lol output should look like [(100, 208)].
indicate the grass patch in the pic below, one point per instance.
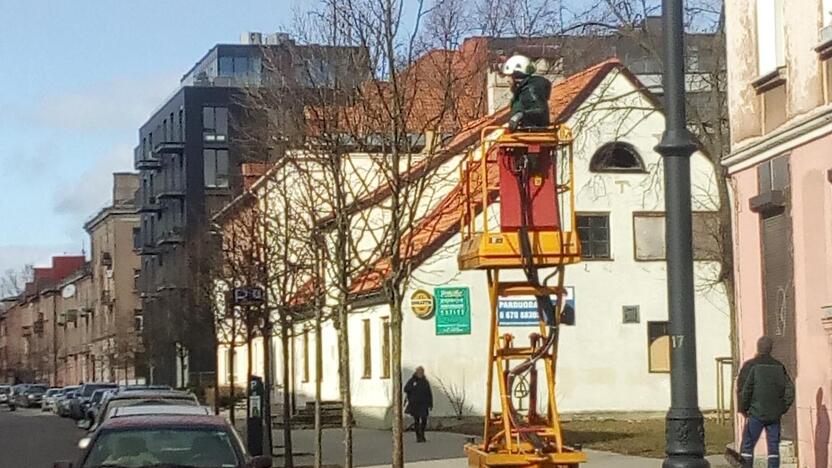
[(644, 438)]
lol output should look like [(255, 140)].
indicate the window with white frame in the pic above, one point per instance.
[(827, 12), (770, 53)]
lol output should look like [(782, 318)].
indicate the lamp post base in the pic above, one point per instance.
[(685, 462), (685, 431)]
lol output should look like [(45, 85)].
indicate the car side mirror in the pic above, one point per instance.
[(261, 461), (62, 464)]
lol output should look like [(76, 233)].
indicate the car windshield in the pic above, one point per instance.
[(97, 395), (5, 390), (53, 392), (36, 389), (69, 395), (113, 404), (169, 446)]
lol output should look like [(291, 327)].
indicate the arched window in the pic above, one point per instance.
[(616, 157)]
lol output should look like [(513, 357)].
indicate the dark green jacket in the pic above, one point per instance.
[(765, 390), (531, 97)]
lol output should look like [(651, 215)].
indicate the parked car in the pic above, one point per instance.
[(48, 402), (94, 404), (78, 407), (29, 396), (64, 403), (143, 398), (134, 388), (5, 390), (16, 390), (165, 440)]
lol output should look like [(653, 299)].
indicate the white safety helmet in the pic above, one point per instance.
[(518, 66)]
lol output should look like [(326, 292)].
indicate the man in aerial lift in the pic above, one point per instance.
[(530, 98)]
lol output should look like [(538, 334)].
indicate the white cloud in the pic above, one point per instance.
[(110, 105), (14, 257), (81, 197)]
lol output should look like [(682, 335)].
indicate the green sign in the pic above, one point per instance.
[(453, 311)]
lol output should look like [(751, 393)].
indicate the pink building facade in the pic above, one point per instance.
[(790, 305), (779, 71)]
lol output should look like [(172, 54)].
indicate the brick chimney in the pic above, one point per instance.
[(252, 172), (125, 185)]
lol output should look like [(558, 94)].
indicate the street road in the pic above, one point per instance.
[(32, 439)]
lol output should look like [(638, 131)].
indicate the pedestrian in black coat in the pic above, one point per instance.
[(765, 393), (419, 401)]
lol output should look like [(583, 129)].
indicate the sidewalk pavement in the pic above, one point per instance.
[(371, 449)]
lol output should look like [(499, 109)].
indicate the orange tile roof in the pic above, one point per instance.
[(443, 221), (443, 90)]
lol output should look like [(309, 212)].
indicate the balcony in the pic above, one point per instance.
[(171, 236), (169, 147), (144, 160), (147, 202), (148, 248), (172, 189)]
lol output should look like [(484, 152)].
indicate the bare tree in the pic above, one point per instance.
[(456, 396), (13, 281)]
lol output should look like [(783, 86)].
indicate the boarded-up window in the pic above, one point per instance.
[(306, 355), (385, 348), (649, 239), (368, 351), (658, 347)]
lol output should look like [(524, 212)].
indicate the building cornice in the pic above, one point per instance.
[(101, 216), (800, 131)]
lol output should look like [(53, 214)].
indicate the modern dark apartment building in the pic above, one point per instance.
[(189, 157)]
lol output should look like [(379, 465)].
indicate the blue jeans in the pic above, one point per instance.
[(753, 430)]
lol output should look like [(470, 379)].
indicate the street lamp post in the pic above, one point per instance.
[(685, 430)]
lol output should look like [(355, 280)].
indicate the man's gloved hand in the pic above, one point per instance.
[(514, 121)]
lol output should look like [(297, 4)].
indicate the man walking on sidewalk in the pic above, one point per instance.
[(419, 401), (765, 394)]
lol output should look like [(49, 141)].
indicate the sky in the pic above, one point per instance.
[(77, 80)]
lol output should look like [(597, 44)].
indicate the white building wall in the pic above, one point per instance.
[(603, 364)]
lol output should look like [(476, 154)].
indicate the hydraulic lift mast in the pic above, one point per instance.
[(531, 172)]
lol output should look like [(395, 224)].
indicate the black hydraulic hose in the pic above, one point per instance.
[(546, 310)]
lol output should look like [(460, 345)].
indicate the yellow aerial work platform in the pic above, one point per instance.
[(513, 438)]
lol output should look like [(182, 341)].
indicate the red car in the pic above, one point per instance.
[(193, 441)]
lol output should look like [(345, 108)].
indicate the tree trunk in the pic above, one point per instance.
[(268, 378), (396, 371), (231, 350), (249, 366), (288, 459), (344, 380), (318, 375)]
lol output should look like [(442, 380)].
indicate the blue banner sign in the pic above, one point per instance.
[(521, 311)]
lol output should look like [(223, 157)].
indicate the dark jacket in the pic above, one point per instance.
[(419, 396), (531, 97), (765, 389)]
